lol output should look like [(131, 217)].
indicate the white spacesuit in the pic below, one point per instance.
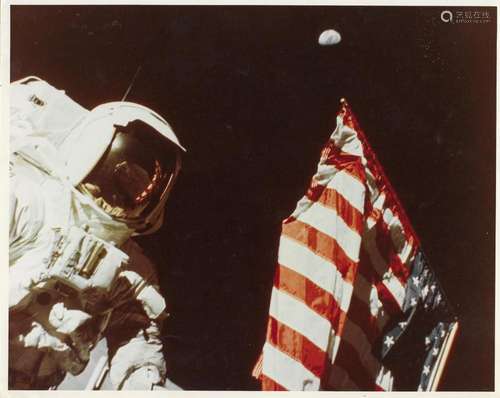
[(81, 184)]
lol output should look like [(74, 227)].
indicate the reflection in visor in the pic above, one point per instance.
[(95, 192), (134, 181), (134, 172)]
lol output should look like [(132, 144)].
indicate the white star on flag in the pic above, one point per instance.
[(425, 290), (402, 325), (426, 370), (438, 298), (413, 302), (416, 281), (442, 333), (427, 341), (433, 287), (435, 351), (389, 341)]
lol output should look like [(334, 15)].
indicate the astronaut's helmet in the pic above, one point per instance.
[(126, 158)]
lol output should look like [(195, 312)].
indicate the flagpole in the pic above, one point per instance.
[(445, 352)]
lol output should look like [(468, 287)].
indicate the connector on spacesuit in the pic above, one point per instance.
[(82, 183)]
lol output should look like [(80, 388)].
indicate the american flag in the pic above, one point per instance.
[(354, 304)]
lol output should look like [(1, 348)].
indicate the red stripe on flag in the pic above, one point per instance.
[(342, 161), (387, 299), (297, 346), (269, 384), (325, 305), (348, 358), (319, 300), (316, 298), (332, 199), (359, 314), (323, 245), (388, 252), (332, 155)]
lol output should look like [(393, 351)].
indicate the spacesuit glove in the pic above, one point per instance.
[(143, 378)]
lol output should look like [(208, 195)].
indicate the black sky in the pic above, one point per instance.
[(252, 96)]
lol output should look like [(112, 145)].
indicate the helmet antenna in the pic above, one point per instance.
[(147, 51), (131, 83)]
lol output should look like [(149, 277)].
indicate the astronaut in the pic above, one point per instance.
[(82, 183)]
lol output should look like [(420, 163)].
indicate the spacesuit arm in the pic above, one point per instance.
[(134, 330), (26, 215), (136, 351)]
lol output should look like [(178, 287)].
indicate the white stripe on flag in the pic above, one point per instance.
[(381, 267), (347, 138), (325, 173), (405, 254), (300, 317), (328, 221), (396, 288), (368, 294), (350, 188), (371, 183), (398, 236), (286, 371), (307, 263)]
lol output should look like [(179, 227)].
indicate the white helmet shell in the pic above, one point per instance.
[(88, 141)]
